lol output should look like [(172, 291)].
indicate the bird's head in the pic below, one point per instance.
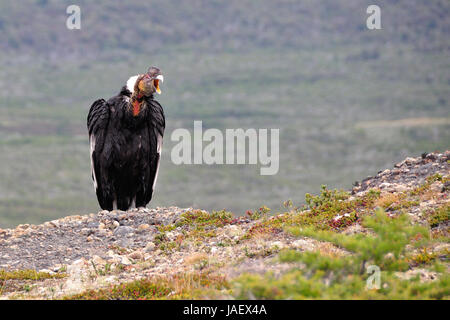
[(148, 83)]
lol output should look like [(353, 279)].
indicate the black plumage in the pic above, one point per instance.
[(125, 135)]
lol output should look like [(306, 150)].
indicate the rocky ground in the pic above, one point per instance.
[(406, 174), (76, 253)]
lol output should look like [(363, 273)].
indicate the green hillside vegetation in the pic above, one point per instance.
[(150, 26), (393, 245), (310, 68), (326, 277)]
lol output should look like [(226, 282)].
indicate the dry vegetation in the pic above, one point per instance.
[(321, 250)]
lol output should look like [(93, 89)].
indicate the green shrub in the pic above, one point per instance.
[(316, 275)]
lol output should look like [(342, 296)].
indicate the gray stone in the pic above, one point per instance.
[(123, 230)]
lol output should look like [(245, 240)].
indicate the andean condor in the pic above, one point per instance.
[(125, 135)]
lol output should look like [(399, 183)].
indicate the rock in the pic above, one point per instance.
[(125, 242), (234, 231), (123, 230), (277, 244), (78, 274), (110, 279), (442, 247), (446, 186), (437, 186), (93, 225), (47, 271), (111, 254), (385, 185), (425, 275), (115, 261), (136, 255), (143, 227), (427, 204), (58, 267), (77, 265), (409, 160), (389, 256), (171, 235), (98, 260), (147, 256), (400, 188), (85, 231), (149, 247), (125, 261), (55, 223), (303, 244), (354, 229)]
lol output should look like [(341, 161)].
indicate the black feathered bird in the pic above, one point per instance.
[(125, 135)]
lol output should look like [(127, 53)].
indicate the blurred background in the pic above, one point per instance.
[(348, 101)]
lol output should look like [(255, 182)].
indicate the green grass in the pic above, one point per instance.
[(180, 286), (320, 276), (28, 274), (137, 290), (439, 215), (330, 210), (200, 219), (25, 279), (195, 225)]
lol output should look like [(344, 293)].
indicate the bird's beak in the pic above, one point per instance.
[(157, 80)]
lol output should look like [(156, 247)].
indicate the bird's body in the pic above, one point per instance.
[(125, 135)]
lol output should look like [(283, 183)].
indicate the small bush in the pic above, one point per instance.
[(344, 277)]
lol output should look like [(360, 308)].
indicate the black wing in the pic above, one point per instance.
[(156, 127), (97, 124)]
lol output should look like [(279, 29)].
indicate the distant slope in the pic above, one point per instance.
[(146, 26)]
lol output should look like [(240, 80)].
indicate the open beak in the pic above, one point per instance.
[(156, 82)]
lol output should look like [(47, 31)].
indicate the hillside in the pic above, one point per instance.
[(397, 220), (348, 101), (38, 26)]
